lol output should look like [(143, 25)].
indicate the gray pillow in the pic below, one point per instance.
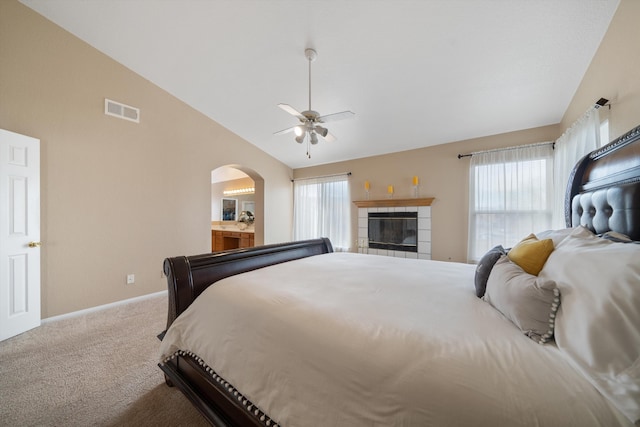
[(616, 237), (484, 268), (529, 301)]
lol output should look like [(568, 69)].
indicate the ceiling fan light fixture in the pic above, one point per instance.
[(321, 131), (309, 118)]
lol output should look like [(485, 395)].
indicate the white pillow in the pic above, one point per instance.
[(560, 234), (598, 323)]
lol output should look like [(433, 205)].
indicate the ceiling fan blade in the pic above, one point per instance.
[(336, 116), (329, 137), (289, 109), (283, 131)]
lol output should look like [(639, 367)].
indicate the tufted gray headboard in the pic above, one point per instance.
[(603, 192)]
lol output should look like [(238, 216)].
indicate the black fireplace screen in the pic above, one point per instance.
[(397, 231)]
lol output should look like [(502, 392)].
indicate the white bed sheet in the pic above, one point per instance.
[(347, 339)]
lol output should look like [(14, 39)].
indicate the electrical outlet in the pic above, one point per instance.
[(131, 279)]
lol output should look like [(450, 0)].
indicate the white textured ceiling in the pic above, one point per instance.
[(415, 72)]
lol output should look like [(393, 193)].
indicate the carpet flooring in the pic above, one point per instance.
[(96, 369)]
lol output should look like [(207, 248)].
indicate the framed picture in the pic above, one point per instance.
[(229, 209)]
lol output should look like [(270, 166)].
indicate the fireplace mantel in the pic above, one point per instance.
[(386, 203)]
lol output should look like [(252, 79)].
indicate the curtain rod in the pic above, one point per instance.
[(506, 149), (584, 116), (599, 103), (322, 176)]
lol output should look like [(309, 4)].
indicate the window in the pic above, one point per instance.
[(322, 208), (510, 195), (579, 140)]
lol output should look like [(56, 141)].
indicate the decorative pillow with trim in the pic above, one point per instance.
[(530, 302), (531, 254), (484, 268)]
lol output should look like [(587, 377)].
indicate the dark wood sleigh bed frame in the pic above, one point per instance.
[(603, 194), (188, 277)]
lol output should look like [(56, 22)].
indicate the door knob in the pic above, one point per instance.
[(35, 244)]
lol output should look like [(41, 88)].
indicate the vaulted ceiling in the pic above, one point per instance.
[(416, 73)]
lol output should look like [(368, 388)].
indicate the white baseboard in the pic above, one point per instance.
[(102, 307)]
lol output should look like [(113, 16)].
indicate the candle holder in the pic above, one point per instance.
[(366, 194), (415, 191)]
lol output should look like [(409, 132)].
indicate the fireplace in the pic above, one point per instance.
[(401, 217), (396, 231)]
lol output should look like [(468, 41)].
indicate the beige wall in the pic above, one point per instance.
[(442, 176), (117, 197), (613, 74)]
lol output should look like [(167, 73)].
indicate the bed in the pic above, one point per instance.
[(295, 334)]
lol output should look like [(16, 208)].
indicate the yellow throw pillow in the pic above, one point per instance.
[(531, 254)]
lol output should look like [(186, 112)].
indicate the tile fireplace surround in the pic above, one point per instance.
[(422, 206)]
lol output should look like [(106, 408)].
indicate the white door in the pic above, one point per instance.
[(19, 233)]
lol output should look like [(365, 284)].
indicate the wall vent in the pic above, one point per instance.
[(120, 110)]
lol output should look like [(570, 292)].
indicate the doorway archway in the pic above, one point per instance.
[(235, 176)]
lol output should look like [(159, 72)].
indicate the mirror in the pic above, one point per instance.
[(229, 209), (249, 205)]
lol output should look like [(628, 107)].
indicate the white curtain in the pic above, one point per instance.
[(510, 196), (580, 139), (322, 208)]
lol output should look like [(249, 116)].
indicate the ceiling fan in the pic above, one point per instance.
[(309, 127)]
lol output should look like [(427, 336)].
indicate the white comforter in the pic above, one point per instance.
[(347, 339)]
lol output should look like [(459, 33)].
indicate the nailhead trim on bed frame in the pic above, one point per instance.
[(228, 388)]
